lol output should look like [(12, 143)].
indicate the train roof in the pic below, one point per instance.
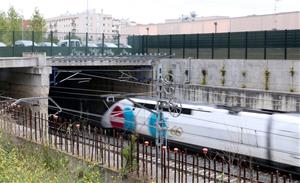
[(218, 108), (184, 105)]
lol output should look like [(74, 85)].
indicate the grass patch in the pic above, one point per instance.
[(25, 162)]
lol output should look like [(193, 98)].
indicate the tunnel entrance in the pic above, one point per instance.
[(84, 92)]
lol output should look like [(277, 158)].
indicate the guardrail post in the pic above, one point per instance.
[(170, 45), (143, 160), (35, 126), (183, 49), (13, 42), (228, 46), (193, 170), (285, 44), (265, 45), (257, 173), (32, 38), (228, 169), (212, 45), (108, 150), (272, 177), (197, 169), (102, 48), (215, 170), (178, 166), (168, 164), (118, 147), (138, 157), (182, 163), (69, 48), (175, 157), (118, 43), (185, 158), (158, 40), (86, 42), (204, 169), (244, 171), (143, 44), (147, 46), (246, 45), (51, 40), (197, 46)]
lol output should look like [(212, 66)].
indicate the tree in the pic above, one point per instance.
[(14, 23), (38, 24), (3, 21), (37, 21), (14, 20), (3, 26)]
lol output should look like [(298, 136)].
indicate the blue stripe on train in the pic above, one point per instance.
[(129, 120), (152, 125)]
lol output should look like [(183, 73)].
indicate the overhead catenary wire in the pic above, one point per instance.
[(176, 84), (201, 92), (113, 79), (83, 89), (105, 95), (106, 70), (147, 84)]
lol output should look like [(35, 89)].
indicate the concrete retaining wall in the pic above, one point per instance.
[(237, 82)]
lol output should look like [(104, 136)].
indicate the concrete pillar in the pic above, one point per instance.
[(28, 82)]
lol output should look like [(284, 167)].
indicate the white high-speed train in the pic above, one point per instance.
[(259, 134)]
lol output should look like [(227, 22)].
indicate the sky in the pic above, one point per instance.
[(152, 11)]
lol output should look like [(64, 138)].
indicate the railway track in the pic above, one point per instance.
[(151, 165), (179, 166)]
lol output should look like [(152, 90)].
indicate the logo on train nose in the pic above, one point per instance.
[(122, 118)]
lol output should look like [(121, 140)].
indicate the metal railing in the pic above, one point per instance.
[(13, 44), (279, 44), (132, 155), (232, 45)]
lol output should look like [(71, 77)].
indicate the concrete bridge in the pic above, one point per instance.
[(28, 76), (269, 84), (40, 60)]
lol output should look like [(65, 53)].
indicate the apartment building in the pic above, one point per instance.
[(78, 24), (218, 24)]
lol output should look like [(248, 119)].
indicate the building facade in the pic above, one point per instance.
[(278, 21), (78, 24)]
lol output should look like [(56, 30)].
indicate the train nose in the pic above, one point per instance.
[(105, 121)]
